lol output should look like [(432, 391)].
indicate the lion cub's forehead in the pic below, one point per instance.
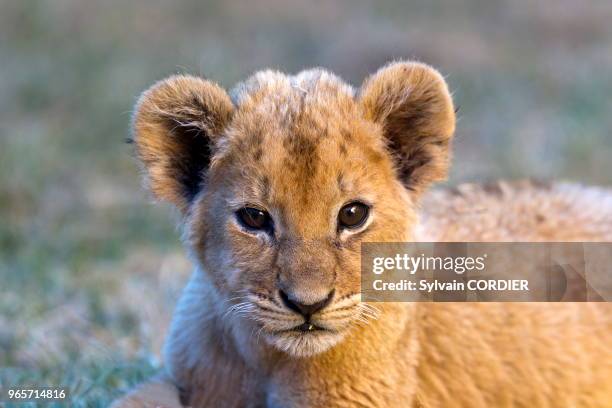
[(299, 122)]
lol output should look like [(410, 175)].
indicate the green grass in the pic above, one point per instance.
[(95, 384)]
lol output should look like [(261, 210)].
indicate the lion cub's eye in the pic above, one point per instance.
[(254, 218), (353, 215)]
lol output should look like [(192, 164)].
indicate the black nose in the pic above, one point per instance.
[(304, 309)]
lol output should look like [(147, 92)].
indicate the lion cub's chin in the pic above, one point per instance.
[(304, 344)]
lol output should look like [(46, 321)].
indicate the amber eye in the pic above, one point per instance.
[(254, 218), (353, 215)]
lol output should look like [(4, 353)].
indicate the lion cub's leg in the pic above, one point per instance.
[(157, 393)]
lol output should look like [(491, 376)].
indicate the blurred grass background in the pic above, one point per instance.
[(90, 268)]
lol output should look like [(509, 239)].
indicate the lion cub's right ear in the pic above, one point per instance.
[(175, 126), (412, 103)]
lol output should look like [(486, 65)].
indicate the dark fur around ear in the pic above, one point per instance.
[(175, 125), (412, 104)]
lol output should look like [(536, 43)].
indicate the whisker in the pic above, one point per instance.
[(238, 309), (339, 315), (338, 309), (369, 311), (259, 334), (370, 306)]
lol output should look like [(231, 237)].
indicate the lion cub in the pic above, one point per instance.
[(278, 184)]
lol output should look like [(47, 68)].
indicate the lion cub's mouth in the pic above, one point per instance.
[(308, 327), (302, 336), (305, 327)]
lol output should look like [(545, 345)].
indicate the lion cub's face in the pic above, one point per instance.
[(280, 184)]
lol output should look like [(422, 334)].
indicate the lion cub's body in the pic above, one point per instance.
[(437, 355), (516, 354), (299, 148)]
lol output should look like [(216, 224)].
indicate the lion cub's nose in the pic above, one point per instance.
[(306, 310)]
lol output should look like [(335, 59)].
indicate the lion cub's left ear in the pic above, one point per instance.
[(413, 105)]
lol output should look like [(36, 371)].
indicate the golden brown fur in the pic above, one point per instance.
[(301, 147)]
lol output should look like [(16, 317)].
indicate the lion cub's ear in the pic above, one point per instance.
[(176, 123), (412, 104)]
